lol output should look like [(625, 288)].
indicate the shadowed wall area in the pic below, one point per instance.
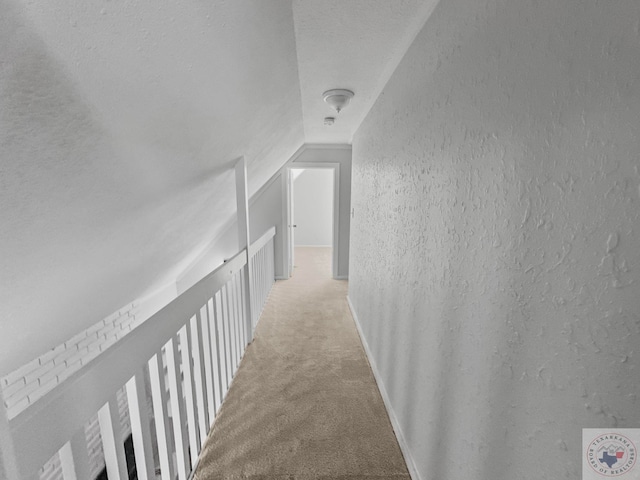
[(304, 403)]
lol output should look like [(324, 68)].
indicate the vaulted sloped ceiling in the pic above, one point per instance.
[(119, 122)]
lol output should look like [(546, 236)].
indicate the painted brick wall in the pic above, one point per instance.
[(495, 247), (33, 380), (52, 470)]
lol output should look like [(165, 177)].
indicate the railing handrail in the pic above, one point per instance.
[(261, 242), (102, 376)]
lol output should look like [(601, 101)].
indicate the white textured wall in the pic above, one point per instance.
[(495, 249), (313, 207), (265, 211)]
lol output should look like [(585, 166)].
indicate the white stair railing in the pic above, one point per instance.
[(262, 266), (198, 339)]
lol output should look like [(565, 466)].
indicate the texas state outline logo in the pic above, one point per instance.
[(610, 453)]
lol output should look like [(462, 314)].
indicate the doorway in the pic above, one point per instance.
[(313, 211)]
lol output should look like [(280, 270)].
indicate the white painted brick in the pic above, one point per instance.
[(37, 373), (127, 308), (76, 357), (36, 378), (122, 319), (94, 329), (94, 447), (51, 354), (66, 373), (21, 372), (64, 356), (16, 386), (115, 315), (105, 330), (107, 342), (137, 321), (52, 470), (52, 373), (112, 333), (88, 341), (75, 339), (14, 408), (43, 390), (22, 393), (93, 353), (121, 333)]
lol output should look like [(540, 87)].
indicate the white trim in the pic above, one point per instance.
[(254, 198), (261, 242), (326, 146), (284, 191), (296, 155), (313, 246), (404, 447), (336, 205), (342, 277), (317, 146), (244, 241), (42, 428)]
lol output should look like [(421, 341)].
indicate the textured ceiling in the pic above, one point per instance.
[(119, 122), (352, 44)]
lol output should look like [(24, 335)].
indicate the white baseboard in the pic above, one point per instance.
[(406, 453), (281, 278), (342, 277)]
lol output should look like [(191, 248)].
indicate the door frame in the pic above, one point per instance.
[(336, 210)]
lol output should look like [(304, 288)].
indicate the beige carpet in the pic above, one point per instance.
[(304, 403)]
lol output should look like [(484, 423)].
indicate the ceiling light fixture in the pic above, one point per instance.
[(337, 98)]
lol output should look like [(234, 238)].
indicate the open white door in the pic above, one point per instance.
[(290, 219)]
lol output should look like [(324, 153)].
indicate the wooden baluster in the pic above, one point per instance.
[(244, 235), (232, 328), (222, 351), (199, 379), (254, 297), (112, 440), (207, 344), (218, 369), (243, 315), (74, 458), (261, 280), (177, 408), (227, 337), (256, 288), (161, 416), (140, 427), (244, 301), (237, 318), (188, 385), (272, 263)]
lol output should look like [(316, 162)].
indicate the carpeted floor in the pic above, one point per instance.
[(304, 404)]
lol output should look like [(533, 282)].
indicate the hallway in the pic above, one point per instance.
[(304, 403)]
